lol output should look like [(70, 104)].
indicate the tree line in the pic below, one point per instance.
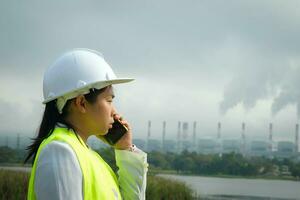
[(214, 164)]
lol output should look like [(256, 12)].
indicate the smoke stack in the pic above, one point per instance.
[(271, 132), (149, 128), (194, 133), (297, 138), (148, 135), (243, 131), (178, 131), (270, 136), (219, 130), (243, 139), (184, 133)]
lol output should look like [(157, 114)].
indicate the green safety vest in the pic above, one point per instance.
[(99, 180)]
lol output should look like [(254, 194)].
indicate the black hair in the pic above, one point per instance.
[(51, 116)]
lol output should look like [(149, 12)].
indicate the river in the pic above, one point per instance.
[(240, 188)]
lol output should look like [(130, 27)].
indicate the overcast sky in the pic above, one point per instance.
[(204, 61)]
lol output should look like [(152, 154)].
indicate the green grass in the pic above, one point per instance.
[(159, 188), (14, 185)]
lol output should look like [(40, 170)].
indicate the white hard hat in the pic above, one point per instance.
[(75, 73)]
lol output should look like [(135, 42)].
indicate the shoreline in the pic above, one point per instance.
[(173, 172)]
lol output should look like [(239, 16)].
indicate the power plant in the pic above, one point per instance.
[(190, 141)]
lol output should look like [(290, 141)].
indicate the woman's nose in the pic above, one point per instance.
[(113, 111)]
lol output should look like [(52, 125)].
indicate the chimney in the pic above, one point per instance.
[(184, 133), (194, 133), (148, 135), (243, 131), (270, 137), (243, 139), (219, 130), (178, 131), (271, 132), (149, 128)]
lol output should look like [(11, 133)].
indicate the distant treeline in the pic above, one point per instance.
[(227, 164), (188, 162), (9, 155)]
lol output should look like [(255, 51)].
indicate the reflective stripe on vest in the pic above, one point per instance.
[(99, 181)]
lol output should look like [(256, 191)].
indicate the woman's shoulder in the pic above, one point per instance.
[(58, 165), (57, 152), (56, 146)]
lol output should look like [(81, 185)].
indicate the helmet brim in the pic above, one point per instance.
[(97, 85)]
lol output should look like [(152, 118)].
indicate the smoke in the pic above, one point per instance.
[(289, 92), (268, 58), (277, 79)]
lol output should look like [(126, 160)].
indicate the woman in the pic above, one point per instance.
[(78, 94)]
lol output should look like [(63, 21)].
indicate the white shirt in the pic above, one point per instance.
[(58, 174)]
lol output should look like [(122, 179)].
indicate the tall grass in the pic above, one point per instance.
[(14, 185), (159, 188)]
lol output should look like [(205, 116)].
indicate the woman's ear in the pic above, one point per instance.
[(81, 103)]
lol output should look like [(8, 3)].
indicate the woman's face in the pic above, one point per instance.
[(101, 112)]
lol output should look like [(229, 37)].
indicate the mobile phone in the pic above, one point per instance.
[(116, 132)]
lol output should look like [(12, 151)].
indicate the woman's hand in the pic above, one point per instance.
[(125, 141)]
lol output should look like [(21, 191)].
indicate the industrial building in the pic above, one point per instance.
[(207, 146), (285, 149), (231, 145), (259, 148)]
